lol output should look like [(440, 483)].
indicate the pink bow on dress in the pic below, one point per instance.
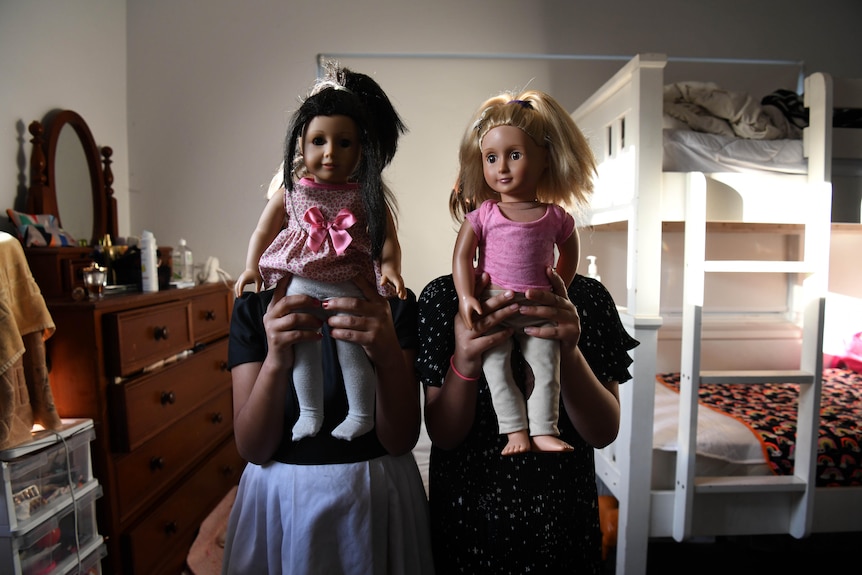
[(337, 229)]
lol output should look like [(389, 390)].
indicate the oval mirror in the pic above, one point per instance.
[(72, 186), (67, 178)]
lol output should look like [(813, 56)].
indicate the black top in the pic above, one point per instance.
[(531, 512), (248, 343)]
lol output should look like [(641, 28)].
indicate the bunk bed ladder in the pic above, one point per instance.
[(690, 488)]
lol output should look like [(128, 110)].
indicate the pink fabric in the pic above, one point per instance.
[(337, 229), (292, 253), (515, 254)]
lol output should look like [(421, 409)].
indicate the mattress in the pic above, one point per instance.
[(690, 151), (769, 412)]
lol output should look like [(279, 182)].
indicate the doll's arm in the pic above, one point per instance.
[(268, 226), (463, 273), (570, 254), (390, 259)]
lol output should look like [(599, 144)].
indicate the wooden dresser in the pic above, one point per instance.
[(164, 450)]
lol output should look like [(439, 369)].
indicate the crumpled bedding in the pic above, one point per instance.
[(705, 107)]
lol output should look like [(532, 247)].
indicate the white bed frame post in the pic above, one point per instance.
[(625, 467), (643, 291)]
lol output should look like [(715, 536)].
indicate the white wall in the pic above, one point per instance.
[(194, 95), (70, 55)]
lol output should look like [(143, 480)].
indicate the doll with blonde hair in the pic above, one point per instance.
[(329, 221), (523, 164)]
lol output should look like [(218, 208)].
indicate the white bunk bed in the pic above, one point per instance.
[(624, 122)]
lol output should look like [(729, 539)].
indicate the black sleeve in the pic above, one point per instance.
[(438, 305), (604, 341), (247, 343)]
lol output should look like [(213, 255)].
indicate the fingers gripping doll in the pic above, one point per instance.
[(523, 161), (331, 221)]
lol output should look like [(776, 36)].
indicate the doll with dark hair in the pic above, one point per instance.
[(331, 221), (523, 161), (339, 491)]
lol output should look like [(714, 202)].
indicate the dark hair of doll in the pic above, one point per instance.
[(361, 99)]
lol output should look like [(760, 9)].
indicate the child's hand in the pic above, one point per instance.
[(287, 322), (484, 333), (365, 321), (246, 277), (564, 323)]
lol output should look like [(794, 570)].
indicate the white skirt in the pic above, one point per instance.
[(363, 518)]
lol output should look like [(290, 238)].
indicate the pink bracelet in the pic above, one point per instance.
[(458, 373)]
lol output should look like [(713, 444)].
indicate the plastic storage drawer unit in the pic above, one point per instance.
[(58, 543), (39, 476)]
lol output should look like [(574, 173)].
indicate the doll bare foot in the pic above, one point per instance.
[(352, 427), (519, 442), (306, 426), (550, 443)]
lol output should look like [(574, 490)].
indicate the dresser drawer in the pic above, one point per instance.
[(171, 526), (149, 468), (144, 406), (211, 314), (137, 338)]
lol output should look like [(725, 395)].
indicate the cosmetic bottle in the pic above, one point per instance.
[(149, 263), (182, 263)]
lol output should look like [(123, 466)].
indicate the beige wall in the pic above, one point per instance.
[(194, 95)]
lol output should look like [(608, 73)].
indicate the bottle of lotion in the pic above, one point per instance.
[(149, 263)]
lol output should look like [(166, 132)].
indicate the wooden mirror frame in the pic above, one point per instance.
[(42, 195)]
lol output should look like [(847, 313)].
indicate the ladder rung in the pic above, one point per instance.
[(749, 484), (757, 266), (760, 376)]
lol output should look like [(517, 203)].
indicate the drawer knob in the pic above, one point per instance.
[(217, 417), (227, 470), (210, 315), (160, 332), (157, 463), (223, 366), (170, 528), (168, 398)]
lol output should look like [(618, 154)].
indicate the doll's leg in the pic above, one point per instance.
[(360, 382), (307, 374), (308, 383), (506, 397), (543, 404)]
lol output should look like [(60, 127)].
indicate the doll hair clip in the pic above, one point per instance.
[(523, 103)]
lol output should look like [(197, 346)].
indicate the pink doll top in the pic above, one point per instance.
[(516, 254), (326, 237)]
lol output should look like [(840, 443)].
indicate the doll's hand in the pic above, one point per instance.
[(394, 279), (467, 307), (247, 277), (564, 323), (286, 324)]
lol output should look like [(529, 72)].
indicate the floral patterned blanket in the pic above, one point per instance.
[(770, 411)]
